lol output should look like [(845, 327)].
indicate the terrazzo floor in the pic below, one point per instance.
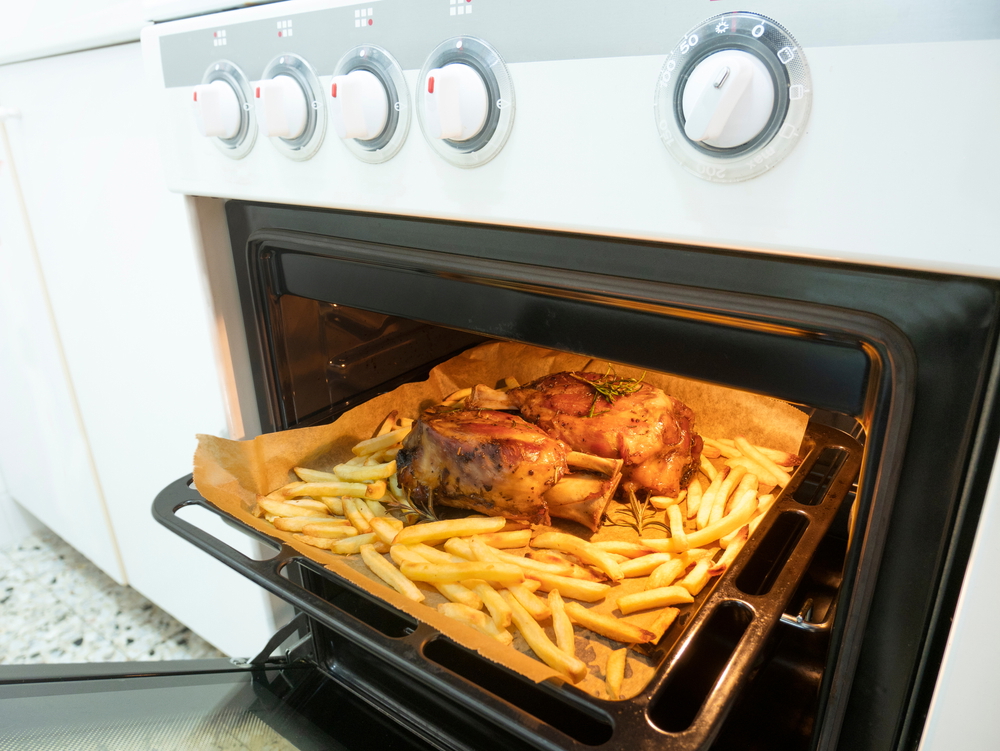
[(57, 607)]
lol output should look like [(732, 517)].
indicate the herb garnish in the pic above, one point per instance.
[(610, 386), (410, 509), (641, 514)]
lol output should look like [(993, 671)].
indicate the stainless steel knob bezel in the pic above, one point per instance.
[(239, 145), (308, 143)]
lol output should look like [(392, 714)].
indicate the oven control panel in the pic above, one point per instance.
[(777, 127)]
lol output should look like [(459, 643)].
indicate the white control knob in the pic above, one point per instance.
[(359, 105), (281, 107), (728, 99), (456, 104), (217, 110)]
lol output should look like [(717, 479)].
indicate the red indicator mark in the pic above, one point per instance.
[(430, 85), (333, 91), (196, 96), (258, 92), (370, 22), (215, 34)]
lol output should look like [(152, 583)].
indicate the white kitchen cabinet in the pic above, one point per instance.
[(125, 279), (44, 457)]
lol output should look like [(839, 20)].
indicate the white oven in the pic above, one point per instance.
[(774, 144)]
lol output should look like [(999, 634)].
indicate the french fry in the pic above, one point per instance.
[(515, 538), (622, 547), (663, 622), (665, 574), (562, 626), (432, 532), (353, 512), (696, 578), (298, 523), (385, 531), (496, 605), (330, 487), (570, 666), (328, 530), (582, 550), (754, 453), (504, 573), (764, 505), (765, 477), (460, 548), (327, 543), (781, 458), (662, 502), (454, 591), (677, 525), (309, 504), (376, 508), (654, 598), (606, 625), (693, 498), (390, 574), (708, 468), (387, 424), (736, 544), (740, 515), (723, 448), (578, 589), (576, 570), (710, 452), (286, 509), (314, 475), (725, 490), (476, 619), (380, 443), (536, 607), (352, 545), (708, 499), (334, 504), (376, 490), (365, 473), (614, 673), (645, 565)]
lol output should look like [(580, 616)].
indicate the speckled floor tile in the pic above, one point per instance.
[(55, 606)]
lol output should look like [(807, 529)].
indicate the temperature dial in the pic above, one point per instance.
[(282, 110), (456, 103), (733, 97), (217, 110), (359, 107), (465, 101), (290, 108), (222, 109)]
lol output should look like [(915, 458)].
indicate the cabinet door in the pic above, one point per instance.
[(129, 296), (44, 457)]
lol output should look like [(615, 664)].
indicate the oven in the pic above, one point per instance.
[(725, 195)]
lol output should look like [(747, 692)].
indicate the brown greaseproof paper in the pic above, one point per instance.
[(231, 474)]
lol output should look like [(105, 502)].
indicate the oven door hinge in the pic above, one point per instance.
[(299, 649)]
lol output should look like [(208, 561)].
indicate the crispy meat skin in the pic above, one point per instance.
[(491, 462), (649, 430)]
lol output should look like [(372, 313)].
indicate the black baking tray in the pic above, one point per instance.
[(461, 700)]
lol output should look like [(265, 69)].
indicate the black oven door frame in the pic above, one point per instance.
[(928, 342)]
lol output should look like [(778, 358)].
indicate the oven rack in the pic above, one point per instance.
[(705, 659)]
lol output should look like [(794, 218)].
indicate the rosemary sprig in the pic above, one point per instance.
[(637, 515), (610, 386), (410, 508)]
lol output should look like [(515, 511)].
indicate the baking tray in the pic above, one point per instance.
[(704, 660)]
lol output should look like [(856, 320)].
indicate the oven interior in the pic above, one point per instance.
[(340, 307)]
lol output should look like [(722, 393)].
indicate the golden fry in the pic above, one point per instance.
[(621, 547), (536, 607), (754, 453), (582, 550), (380, 443), (577, 589), (297, 523), (503, 573), (614, 673), (328, 530), (515, 538), (357, 518), (665, 574), (286, 509), (677, 525), (696, 578), (385, 531), (317, 542), (433, 532), (572, 667), (454, 591), (351, 545), (476, 619), (654, 598), (708, 499), (561, 624), (646, 564), (606, 625), (663, 622), (694, 498), (390, 574), (365, 473), (314, 475), (355, 489)]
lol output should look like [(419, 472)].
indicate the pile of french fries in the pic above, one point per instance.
[(491, 572)]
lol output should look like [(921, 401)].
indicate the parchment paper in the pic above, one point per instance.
[(230, 474)]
